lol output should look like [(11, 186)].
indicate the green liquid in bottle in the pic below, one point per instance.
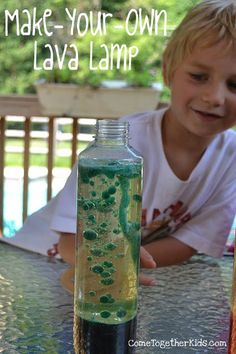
[(108, 241)]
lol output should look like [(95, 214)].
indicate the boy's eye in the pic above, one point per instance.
[(198, 76), (232, 85)]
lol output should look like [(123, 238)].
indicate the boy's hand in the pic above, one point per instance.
[(146, 261)]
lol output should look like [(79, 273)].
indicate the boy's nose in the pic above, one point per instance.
[(214, 95)]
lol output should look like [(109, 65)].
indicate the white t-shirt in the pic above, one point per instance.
[(198, 211)]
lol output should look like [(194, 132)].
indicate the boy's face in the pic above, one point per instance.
[(204, 91)]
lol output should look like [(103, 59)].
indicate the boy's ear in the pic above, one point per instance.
[(164, 73)]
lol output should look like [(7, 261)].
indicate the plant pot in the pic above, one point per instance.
[(77, 101)]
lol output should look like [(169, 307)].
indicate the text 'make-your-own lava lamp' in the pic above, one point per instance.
[(107, 242)]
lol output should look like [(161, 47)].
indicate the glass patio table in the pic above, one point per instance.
[(186, 312)]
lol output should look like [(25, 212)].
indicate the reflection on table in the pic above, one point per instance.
[(186, 312)]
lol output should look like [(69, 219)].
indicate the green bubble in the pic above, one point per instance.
[(116, 231), (111, 200), (105, 195), (120, 255), (103, 206), (121, 313), (103, 225), (112, 190), (101, 230), (110, 246), (137, 197), (98, 252), (107, 281), (107, 299), (107, 264), (90, 235), (117, 184), (92, 293), (92, 218), (105, 314), (87, 205), (97, 268), (105, 274), (91, 183), (84, 178), (89, 258), (104, 299), (93, 194)]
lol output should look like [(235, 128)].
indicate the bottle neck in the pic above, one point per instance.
[(112, 132)]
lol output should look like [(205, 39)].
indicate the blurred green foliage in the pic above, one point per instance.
[(16, 52)]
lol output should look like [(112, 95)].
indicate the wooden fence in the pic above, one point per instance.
[(28, 107)]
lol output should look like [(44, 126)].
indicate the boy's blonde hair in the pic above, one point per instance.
[(206, 24)]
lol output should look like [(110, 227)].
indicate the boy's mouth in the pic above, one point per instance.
[(207, 116)]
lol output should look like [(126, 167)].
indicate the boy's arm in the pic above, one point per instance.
[(169, 251), (161, 253), (66, 247)]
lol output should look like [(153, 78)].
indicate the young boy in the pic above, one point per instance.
[(189, 194)]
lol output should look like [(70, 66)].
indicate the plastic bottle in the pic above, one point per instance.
[(107, 242), (232, 329)]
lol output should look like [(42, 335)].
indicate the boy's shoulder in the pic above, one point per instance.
[(228, 138), (231, 133), (224, 150)]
